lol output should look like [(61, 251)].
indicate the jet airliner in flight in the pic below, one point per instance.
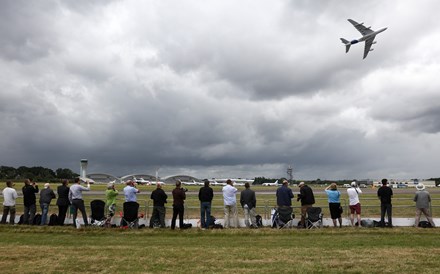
[(368, 36)]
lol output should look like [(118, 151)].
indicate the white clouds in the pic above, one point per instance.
[(238, 89)]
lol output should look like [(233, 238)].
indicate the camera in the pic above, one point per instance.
[(184, 189)]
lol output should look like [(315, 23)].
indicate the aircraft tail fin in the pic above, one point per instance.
[(347, 44)]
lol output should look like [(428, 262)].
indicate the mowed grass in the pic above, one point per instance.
[(27, 249)]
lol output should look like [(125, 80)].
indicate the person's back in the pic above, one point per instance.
[(130, 192), (306, 195), (159, 197), (63, 195), (247, 197), (206, 194), (229, 193), (422, 199), (9, 196), (353, 195), (385, 193), (29, 197), (284, 195), (46, 196)]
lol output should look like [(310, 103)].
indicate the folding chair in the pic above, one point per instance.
[(314, 217), (129, 218), (282, 217), (98, 218)]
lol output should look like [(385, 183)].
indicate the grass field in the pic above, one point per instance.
[(28, 249)]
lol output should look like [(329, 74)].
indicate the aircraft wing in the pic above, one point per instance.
[(368, 44), (360, 27)]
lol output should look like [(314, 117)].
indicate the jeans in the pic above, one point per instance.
[(205, 214), (231, 211), (79, 204), (44, 211), (177, 210), (29, 214), (386, 208), (8, 210), (158, 214), (250, 213)]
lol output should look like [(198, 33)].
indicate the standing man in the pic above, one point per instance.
[(355, 206), (46, 196), (179, 197), (230, 202), (206, 194), (29, 189), (422, 199), (284, 195), (385, 194), (130, 191), (9, 197), (77, 202), (63, 201), (307, 200), (249, 202), (159, 198)]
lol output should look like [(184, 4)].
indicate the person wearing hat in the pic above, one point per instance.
[(130, 191), (354, 204), (206, 194), (110, 202), (46, 196), (307, 200), (334, 203), (385, 194), (422, 199)]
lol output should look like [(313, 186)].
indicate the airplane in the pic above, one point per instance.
[(192, 183), (271, 184), (141, 181), (368, 36)]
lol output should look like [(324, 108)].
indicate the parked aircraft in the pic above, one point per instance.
[(191, 183), (368, 36), (271, 184), (141, 181)]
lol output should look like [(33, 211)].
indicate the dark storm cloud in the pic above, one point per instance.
[(225, 89)]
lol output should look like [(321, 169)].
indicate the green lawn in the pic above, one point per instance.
[(28, 249)]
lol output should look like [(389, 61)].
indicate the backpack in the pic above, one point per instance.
[(37, 219), (211, 221), (53, 220), (259, 220), (186, 226), (367, 223), (425, 224)]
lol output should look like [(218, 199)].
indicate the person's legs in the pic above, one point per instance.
[(340, 221), (62, 210), (44, 211), (303, 215), (383, 208), (74, 212), (208, 214), (26, 215), (227, 214), (12, 215), (32, 211), (181, 212), (417, 219), (82, 208), (154, 216), (161, 213), (246, 216), (5, 214), (428, 216), (173, 220), (234, 214), (390, 214)]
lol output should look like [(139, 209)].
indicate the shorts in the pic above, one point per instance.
[(355, 208), (335, 213)]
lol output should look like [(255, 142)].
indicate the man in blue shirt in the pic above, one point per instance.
[(130, 192)]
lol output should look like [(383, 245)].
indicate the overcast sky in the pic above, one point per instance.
[(221, 88)]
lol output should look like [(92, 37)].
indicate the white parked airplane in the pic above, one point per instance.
[(141, 181), (368, 36), (271, 184), (192, 183)]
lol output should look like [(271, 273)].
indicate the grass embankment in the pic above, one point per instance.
[(67, 250)]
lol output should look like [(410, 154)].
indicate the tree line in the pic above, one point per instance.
[(37, 173)]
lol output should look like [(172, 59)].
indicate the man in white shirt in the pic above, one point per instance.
[(77, 202), (230, 202), (130, 192), (9, 197), (355, 206)]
